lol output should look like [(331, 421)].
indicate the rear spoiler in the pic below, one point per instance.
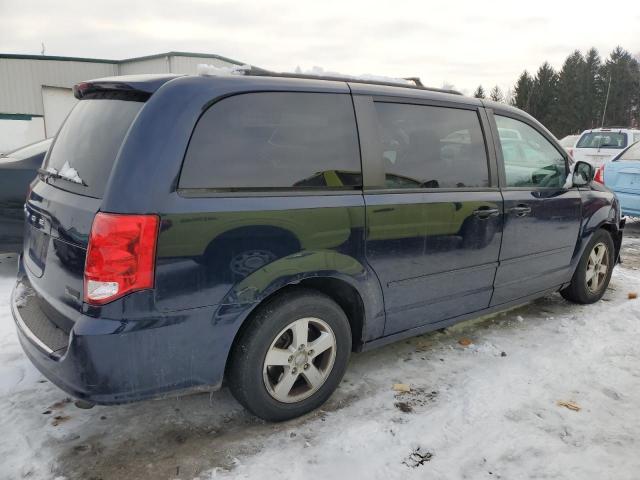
[(133, 87)]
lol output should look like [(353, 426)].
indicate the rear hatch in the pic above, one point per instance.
[(64, 200), (598, 147), (623, 174)]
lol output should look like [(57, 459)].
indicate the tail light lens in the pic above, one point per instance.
[(120, 257), (599, 175), (570, 151)]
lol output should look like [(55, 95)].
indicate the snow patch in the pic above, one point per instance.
[(67, 172), (216, 71), (22, 295), (321, 72)]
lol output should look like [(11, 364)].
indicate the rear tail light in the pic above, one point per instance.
[(599, 175), (120, 256), (570, 151)]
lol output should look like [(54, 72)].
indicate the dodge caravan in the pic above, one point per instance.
[(255, 230)]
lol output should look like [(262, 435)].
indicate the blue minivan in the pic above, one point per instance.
[(186, 231)]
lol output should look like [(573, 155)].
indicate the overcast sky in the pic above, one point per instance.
[(464, 43)]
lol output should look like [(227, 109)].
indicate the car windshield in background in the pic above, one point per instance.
[(27, 151), (632, 153), (568, 141), (87, 145), (603, 140)]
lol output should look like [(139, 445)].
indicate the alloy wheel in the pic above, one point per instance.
[(299, 360), (597, 267)]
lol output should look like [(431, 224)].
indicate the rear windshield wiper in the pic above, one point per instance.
[(46, 174)]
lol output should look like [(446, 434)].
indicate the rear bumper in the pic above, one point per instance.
[(629, 203), (111, 362)]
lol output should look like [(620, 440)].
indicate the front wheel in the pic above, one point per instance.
[(291, 356), (594, 270)]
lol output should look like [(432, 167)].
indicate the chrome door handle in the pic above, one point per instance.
[(521, 210), (486, 212)]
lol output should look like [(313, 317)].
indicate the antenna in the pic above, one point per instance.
[(43, 49), (606, 101)]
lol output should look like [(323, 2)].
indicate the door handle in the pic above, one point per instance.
[(521, 210), (486, 212), (383, 210)]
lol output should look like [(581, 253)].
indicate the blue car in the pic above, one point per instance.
[(622, 175)]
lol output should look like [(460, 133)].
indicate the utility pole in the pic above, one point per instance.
[(606, 101)]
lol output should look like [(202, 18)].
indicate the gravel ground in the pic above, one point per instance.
[(486, 410)]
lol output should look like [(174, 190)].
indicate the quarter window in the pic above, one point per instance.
[(530, 160), (274, 141), (431, 147)]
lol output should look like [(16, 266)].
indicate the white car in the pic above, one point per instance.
[(568, 143), (599, 145)]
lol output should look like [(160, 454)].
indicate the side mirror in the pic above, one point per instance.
[(582, 174)]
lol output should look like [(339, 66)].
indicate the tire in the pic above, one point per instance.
[(310, 377), (585, 287)]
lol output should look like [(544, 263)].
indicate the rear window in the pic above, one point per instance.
[(633, 153), (603, 140), (87, 144), (275, 140)]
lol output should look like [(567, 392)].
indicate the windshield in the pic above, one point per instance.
[(86, 147), (632, 153), (603, 140)]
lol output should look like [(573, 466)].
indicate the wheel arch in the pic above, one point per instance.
[(342, 278)]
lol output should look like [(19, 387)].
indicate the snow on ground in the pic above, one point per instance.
[(473, 412)]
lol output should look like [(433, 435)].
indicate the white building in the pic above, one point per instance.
[(36, 90)]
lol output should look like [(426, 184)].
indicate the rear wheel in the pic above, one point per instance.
[(593, 273), (291, 357)]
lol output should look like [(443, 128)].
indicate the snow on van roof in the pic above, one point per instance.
[(217, 71), (367, 77)]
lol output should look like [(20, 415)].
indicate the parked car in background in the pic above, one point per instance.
[(622, 175), (257, 229), (602, 144), (17, 169), (569, 143)]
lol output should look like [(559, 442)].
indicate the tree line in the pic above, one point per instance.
[(573, 99)]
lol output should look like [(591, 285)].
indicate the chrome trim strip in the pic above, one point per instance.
[(23, 327)]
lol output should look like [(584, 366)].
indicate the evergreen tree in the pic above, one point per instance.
[(522, 92), (593, 100), (573, 99), (479, 93), (496, 94), (571, 96), (623, 72), (544, 96)]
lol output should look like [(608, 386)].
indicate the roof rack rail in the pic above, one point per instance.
[(417, 84)]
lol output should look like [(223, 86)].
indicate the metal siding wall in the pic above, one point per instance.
[(153, 65), (187, 65), (21, 80)]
